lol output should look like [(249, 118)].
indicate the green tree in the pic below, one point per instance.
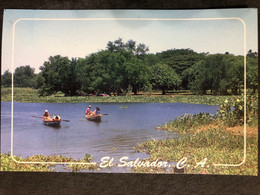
[(218, 73), (252, 73), (136, 75), (180, 60), (115, 72), (151, 59), (24, 77), (6, 79), (39, 80), (130, 45), (235, 74), (85, 74), (252, 54), (163, 77), (115, 46), (139, 50), (198, 78), (59, 74), (104, 69)]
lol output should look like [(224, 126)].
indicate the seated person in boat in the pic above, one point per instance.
[(97, 112), (56, 118), (46, 116), (88, 111)]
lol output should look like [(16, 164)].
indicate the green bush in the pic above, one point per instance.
[(236, 117)]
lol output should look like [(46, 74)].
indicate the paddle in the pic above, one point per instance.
[(37, 116)]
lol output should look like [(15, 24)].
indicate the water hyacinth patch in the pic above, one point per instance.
[(31, 95), (188, 122)]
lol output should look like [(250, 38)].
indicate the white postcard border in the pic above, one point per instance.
[(125, 19)]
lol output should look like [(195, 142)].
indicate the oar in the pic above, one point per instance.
[(37, 116), (65, 120)]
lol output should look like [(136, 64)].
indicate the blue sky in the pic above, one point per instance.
[(35, 40)]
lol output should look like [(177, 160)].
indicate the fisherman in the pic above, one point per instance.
[(46, 116)]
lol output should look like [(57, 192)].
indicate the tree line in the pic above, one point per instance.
[(125, 67)]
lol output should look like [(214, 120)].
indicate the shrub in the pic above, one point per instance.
[(235, 116)]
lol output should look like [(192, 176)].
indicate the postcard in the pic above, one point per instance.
[(130, 91)]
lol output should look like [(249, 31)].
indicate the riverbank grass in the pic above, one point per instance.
[(216, 145), (8, 164), (31, 95), (206, 140)]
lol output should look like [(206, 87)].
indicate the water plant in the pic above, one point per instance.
[(31, 95), (188, 122), (8, 164), (87, 157), (215, 145), (214, 138)]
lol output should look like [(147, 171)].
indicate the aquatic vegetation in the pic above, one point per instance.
[(31, 95), (8, 164), (188, 122), (215, 144), (88, 157), (210, 139), (202, 99), (230, 113)]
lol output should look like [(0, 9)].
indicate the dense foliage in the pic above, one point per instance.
[(123, 68), (24, 76), (6, 79)]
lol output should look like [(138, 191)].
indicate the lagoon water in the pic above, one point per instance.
[(115, 136)]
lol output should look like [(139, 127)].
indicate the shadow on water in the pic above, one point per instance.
[(53, 127), (97, 123)]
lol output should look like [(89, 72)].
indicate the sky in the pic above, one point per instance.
[(38, 34)]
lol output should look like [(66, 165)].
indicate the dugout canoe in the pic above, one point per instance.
[(94, 118), (55, 122)]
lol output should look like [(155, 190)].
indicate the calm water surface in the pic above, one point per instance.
[(114, 136)]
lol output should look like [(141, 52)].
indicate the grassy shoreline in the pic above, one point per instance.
[(215, 145), (202, 138), (8, 164), (207, 140), (30, 95)]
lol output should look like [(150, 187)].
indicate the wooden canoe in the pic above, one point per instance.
[(53, 122), (94, 118)]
